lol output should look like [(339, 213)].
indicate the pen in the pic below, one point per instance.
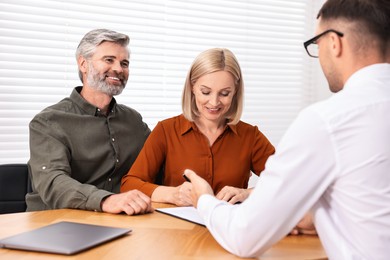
[(185, 177)]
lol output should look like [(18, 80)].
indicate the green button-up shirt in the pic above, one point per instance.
[(78, 155)]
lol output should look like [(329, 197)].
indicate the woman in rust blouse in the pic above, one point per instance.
[(208, 138)]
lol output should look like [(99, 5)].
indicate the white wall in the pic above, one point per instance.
[(38, 40), (316, 83)]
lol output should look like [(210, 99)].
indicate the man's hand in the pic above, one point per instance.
[(132, 202), (199, 186), (233, 195)]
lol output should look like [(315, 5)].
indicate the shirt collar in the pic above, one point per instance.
[(186, 126), (90, 109), (377, 71), (233, 128)]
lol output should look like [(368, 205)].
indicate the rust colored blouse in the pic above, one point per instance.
[(176, 144)]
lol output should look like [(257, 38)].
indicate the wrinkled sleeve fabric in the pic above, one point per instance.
[(293, 180), (51, 172), (262, 149)]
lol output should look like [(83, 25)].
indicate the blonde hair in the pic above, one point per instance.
[(209, 61)]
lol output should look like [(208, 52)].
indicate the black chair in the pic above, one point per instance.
[(14, 185)]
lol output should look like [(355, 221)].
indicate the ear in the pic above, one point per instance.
[(82, 63), (336, 45)]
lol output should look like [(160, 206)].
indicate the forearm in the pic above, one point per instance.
[(238, 229), (164, 194), (52, 177), (131, 182), (180, 195), (58, 190)]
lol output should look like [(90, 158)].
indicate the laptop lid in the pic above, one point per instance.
[(63, 238)]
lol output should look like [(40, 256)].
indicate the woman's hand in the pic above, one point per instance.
[(182, 195), (233, 195), (305, 226)]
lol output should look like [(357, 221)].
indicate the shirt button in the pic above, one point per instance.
[(117, 160), (113, 139), (109, 179)]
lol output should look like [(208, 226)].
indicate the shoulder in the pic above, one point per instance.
[(55, 110), (244, 125), (246, 128), (175, 125), (329, 110), (252, 132), (173, 120), (128, 111)]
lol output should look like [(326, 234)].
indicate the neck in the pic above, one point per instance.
[(358, 62), (209, 127), (96, 98)]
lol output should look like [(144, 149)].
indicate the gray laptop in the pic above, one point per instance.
[(63, 238)]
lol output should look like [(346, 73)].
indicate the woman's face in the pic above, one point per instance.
[(213, 95)]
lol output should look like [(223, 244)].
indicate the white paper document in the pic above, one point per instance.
[(186, 213)]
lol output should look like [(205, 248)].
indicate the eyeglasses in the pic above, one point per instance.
[(311, 45)]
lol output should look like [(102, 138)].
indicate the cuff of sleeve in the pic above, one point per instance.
[(148, 189), (94, 201), (206, 205)]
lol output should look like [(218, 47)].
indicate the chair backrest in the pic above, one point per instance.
[(14, 185)]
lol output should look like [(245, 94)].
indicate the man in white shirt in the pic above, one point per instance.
[(334, 160)]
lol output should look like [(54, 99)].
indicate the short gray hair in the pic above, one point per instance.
[(94, 38)]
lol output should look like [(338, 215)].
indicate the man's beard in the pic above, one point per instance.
[(98, 82)]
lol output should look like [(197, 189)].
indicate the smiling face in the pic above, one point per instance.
[(213, 94), (108, 68)]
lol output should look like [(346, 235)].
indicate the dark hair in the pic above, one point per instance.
[(374, 15)]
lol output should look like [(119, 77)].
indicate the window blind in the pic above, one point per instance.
[(38, 40)]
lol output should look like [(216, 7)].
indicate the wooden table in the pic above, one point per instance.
[(154, 236)]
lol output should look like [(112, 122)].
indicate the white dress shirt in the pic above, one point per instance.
[(333, 160)]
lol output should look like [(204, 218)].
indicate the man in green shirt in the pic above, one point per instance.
[(82, 146)]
